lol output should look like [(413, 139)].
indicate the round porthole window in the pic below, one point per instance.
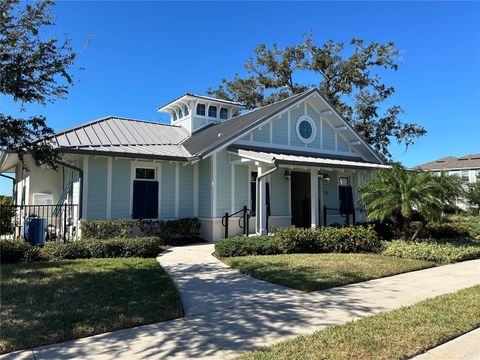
[(305, 129)]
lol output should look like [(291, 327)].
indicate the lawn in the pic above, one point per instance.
[(310, 272), (398, 334), (48, 302)]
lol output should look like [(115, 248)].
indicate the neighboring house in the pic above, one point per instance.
[(296, 161), (466, 167)]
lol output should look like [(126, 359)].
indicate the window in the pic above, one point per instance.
[(174, 116), (305, 129), (144, 174), (185, 110), (464, 176), (343, 181), (180, 113), (212, 111), (223, 113), (201, 109)]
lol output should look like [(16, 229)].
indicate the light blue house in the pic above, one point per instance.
[(293, 162)]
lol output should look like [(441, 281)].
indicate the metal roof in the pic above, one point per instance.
[(301, 160), (471, 161), (212, 137), (122, 136)]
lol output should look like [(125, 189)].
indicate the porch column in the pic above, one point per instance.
[(314, 198), (261, 209)]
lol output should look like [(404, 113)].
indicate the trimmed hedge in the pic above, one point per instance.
[(430, 251), (169, 230), (243, 246), (291, 240), (19, 250), (111, 248), (13, 250)]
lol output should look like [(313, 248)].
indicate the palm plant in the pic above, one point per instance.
[(450, 188), (399, 194)]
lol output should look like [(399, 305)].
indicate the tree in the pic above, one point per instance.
[(351, 83), (32, 70), (473, 193), (399, 194), (450, 188)]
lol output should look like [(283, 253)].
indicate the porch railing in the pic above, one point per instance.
[(62, 222), (337, 212), (243, 220)]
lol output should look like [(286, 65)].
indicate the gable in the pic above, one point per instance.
[(329, 133)]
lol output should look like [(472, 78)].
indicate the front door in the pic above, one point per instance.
[(301, 199)]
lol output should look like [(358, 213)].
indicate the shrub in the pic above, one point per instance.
[(430, 251), (242, 246), (13, 250), (106, 229), (440, 230), (327, 239), (110, 248), (170, 230)]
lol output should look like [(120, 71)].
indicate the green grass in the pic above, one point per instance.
[(48, 302), (398, 334), (309, 272)]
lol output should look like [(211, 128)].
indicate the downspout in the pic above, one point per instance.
[(275, 168), (14, 182), (80, 175)]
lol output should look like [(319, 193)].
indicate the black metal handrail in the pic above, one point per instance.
[(347, 215), (61, 220), (246, 214)]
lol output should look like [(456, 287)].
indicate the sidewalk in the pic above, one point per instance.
[(228, 313)]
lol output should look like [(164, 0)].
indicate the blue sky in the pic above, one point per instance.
[(144, 54)]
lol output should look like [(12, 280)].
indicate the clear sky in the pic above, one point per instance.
[(144, 54)]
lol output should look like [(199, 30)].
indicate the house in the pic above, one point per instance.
[(466, 167), (296, 161)]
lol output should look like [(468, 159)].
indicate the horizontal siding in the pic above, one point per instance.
[(280, 130), (294, 115), (279, 194), (224, 183), (205, 188), (262, 135), (242, 182), (342, 145), (328, 134), (121, 189), (316, 143)]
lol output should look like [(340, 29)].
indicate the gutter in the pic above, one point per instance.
[(80, 175), (14, 182)]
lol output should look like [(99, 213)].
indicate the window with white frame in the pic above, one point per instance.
[(306, 130), (465, 176), (223, 113), (144, 173), (201, 109), (185, 110), (212, 111)]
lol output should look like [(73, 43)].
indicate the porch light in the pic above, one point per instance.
[(323, 176), (288, 174)]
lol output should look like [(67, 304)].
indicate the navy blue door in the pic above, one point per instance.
[(145, 199)]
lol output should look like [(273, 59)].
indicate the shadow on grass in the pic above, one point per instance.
[(44, 303)]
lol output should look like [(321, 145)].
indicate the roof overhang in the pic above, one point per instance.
[(188, 97), (319, 160)]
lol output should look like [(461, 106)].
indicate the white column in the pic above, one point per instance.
[(314, 197), (261, 204)]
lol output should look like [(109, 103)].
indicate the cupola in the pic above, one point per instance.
[(194, 112)]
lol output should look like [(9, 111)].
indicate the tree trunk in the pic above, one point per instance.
[(417, 232)]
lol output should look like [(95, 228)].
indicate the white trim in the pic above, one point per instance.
[(312, 124), (195, 189), (232, 188), (132, 177), (85, 187), (290, 195), (271, 132), (109, 188), (177, 190), (336, 141), (214, 185)]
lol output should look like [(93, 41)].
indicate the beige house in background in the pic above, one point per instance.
[(466, 167)]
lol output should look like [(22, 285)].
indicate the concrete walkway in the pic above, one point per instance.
[(465, 347), (228, 313)]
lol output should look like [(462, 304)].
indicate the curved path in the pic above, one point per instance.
[(227, 313)]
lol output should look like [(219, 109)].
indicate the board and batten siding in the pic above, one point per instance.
[(205, 188), (167, 196), (121, 174), (97, 188), (279, 194), (186, 188)]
